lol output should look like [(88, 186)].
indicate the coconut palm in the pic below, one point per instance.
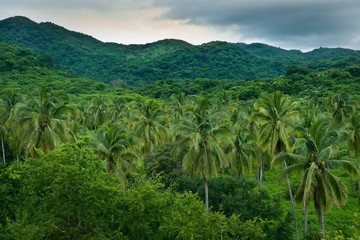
[(7, 108), (113, 145), (277, 113), (179, 102), (243, 151), (201, 139), (354, 140), (341, 105), (98, 111), (115, 108), (151, 125), (3, 135), (41, 123), (313, 158)]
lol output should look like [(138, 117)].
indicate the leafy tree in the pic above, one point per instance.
[(163, 165), (65, 194)]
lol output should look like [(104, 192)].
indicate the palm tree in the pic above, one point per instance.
[(243, 150), (342, 106), (276, 113), (7, 107), (151, 124), (42, 123), (115, 108), (98, 110), (201, 141), (354, 140), (3, 134), (113, 145), (314, 157), (178, 105)]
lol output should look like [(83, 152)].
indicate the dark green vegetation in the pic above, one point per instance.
[(180, 158), (167, 59)]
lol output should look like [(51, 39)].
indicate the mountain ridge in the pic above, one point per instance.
[(164, 59)]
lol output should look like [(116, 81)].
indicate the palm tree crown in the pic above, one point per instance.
[(42, 122)]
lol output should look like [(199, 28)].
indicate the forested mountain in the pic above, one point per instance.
[(24, 72), (166, 59)]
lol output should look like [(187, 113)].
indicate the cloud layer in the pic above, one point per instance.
[(287, 22), (296, 24)]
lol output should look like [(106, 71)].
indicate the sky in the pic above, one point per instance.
[(289, 24)]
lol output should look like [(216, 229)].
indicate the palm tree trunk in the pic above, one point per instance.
[(258, 177), (306, 218), (206, 193), (322, 223), (292, 204), (151, 148), (261, 169), (357, 160), (150, 143), (3, 148), (351, 179), (319, 211)]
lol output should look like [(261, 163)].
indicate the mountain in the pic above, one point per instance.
[(165, 59), (25, 72)]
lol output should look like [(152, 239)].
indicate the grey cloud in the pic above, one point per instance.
[(301, 24), (320, 22), (102, 6)]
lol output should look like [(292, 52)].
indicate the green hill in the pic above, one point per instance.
[(166, 59), (25, 72)]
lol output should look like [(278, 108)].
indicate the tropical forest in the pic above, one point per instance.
[(170, 140)]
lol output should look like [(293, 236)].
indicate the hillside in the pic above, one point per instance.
[(25, 72), (166, 59)]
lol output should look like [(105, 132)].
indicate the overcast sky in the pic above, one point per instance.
[(290, 24)]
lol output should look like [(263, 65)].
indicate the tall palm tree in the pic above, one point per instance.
[(201, 141), (277, 113), (99, 111), (179, 102), (41, 123), (341, 105), (115, 108), (3, 135), (314, 159), (113, 144), (151, 125), (243, 151), (354, 140), (7, 108)]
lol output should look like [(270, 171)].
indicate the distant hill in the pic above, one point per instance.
[(165, 59), (25, 72)]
